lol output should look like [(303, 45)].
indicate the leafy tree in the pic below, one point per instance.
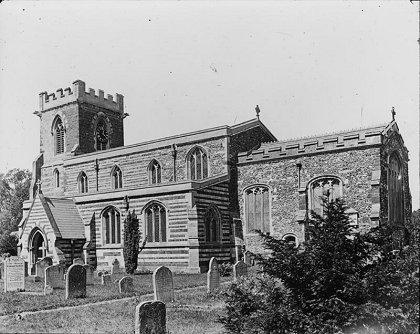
[(131, 242)]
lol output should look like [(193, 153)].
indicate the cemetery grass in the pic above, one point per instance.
[(13, 303)]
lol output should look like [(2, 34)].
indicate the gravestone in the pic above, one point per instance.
[(48, 290), (41, 265), (14, 274), (150, 318), (54, 276), (78, 260), (163, 285), (76, 282), (247, 257), (106, 279), (115, 268), (126, 284), (213, 276), (89, 274), (240, 269)]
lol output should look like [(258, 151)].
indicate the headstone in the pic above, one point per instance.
[(240, 269), (78, 260), (41, 265), (115, 268), (163, 285), (106, 279), (89, 274), (247, 257), (54, 276), (76, 282), (126, 284), (48, 290), (150, 318), (14, 274), (213, 276)]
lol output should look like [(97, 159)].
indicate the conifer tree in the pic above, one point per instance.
[(131, 242)]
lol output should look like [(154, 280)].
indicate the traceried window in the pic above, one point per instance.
[(212, 224), (395, 191), (116, 175), (102, 136), (111, 222), (155, 217), (155, 172), (257, 209), (59, 136), (56, 176), (83, 183), (323, 189), (198, 164)]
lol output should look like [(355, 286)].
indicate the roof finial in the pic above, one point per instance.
[(257, 110), (393, 113)]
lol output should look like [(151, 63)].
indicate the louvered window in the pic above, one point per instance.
[(111, 221), (324, 189), (83, 183), (116, 178), (155, 172), (257, 209), (198, 164), (155, 216), (59, 136)]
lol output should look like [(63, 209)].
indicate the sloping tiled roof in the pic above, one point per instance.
[(64, 215)]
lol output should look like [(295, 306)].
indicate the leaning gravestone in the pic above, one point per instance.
[(106, 279), (213, 276), (89, 274), (76, 282), (240, 269), (115, 268), (150, 318), (14, 274), (41, 265), (126, 284), (163, 285), (78, 260), (54, 276)]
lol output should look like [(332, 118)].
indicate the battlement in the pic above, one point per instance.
[(78, 93)]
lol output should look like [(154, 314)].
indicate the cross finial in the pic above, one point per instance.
[(257, 110), (38, 184), (393, 113)]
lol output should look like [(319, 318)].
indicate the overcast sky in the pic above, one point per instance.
[(313, 67)]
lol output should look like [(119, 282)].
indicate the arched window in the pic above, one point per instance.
[(58, 136), (212, 224), (111, 223), (116, 176), (83, 183), (155, 218), (155, 172), (290, 239), (102, 137), (395, 191), (322, 189), (257, 209), (56, 175), (198, 164)]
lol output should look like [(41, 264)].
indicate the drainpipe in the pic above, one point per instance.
[(174, 153)]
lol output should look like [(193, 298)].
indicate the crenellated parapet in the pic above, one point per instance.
[(79, 93), (356, 138)]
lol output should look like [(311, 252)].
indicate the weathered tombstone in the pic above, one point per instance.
[(240, 269), (247, 257), (54, 276), (115, 268), (78, 260), (213, 276), (48, 290), (126, 284), (89, 274), (41, 265), (106, 279), (76, 282), (150, 318), (14, 274), (163, 285)]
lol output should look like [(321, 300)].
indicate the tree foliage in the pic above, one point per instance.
[(338, 281), (131, 242)]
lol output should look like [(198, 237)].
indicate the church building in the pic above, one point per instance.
[(196, 195)]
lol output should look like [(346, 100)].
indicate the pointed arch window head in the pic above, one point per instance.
[(155, 218), (58, 136), (116, 176), (56, 175), (155, 172), (257, 209), (212, 225), (111, 226), (324, 189), (395, 191), (198, 164), (83, 183), (101, 136)]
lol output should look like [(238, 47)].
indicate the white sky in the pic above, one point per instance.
[(184, 66)]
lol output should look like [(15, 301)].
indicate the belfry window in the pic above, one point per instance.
[(83, 183), (155, 172), (155, 217), (116, 178), (212, 224), (59, 136), (257, 209), (395, 191), (321, 190), (198, 164), (111, 222), (102, 137)]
